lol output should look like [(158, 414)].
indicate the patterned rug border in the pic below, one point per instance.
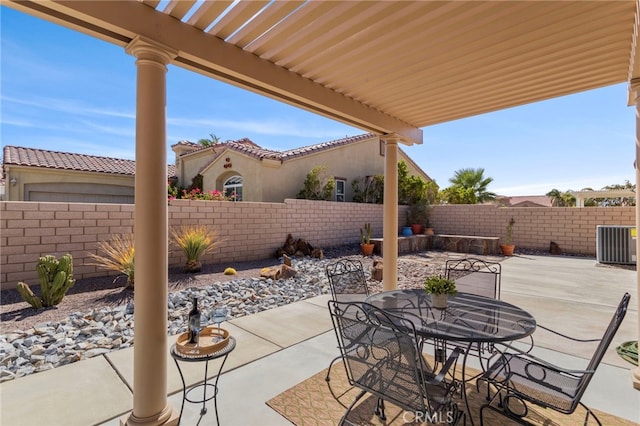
[(316, 402)]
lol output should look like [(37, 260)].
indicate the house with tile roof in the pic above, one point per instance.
[(258, 174), (240, 166), (32, 174)]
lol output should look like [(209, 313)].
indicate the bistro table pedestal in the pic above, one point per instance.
[(209, 390)]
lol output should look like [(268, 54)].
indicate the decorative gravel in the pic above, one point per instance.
[(84, 335)]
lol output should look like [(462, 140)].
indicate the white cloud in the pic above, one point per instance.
[(69, 106), (562, 185)]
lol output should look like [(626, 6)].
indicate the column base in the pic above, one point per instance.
[(635, 377), (167, 417)]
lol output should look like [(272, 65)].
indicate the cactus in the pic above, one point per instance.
[(365, 235), (56, 278)]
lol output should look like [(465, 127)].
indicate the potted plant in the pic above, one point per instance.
[(439, 288), (428, 230), (507, 248), (365, 240), (418, 215)]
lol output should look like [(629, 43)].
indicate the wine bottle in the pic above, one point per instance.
[(194, 322)]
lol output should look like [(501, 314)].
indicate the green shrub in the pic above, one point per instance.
[(317, 186)]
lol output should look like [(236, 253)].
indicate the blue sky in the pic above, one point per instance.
[(62, 90)]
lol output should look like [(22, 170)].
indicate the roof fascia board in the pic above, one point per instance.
[(119, 22), (634, 61), (414, 164)]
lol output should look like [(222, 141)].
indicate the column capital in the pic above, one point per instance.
[(391, 138), (144, 48)]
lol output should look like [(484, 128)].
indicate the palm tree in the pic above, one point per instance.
[(209, 142), (474, 180), (561, 199), (556, 198)]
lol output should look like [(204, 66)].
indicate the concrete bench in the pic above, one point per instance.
[(456, 243)]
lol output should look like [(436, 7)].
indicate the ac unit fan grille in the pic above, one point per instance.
[(616, 244)]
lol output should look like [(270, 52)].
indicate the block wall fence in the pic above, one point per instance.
[(253, 231)]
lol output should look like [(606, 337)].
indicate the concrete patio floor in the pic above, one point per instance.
[(279, 348)]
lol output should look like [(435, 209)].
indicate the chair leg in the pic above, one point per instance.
[(331, 365), (379, 411), (590, 413), (346, 414)]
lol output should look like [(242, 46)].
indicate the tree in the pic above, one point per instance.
[(370, 190), (561, 199), (213, 140), (414, 189), (458, 195), (620, 201), (467, 182), (317, 186)]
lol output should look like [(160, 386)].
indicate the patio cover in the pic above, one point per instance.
[(389, 67)]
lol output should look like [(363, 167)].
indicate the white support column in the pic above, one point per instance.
[(150, 405), (390, 220), (635, 86)]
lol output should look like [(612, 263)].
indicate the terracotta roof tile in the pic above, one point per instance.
[(248, 147), (20, 156)]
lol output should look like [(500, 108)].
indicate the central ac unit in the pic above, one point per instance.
[(616, 244)]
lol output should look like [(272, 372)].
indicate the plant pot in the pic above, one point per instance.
[(416, 228), (428, 231), (367, 249), (507, 249), (439, 301), (406, 231)]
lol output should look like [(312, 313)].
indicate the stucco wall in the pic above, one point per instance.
[(255, 230), (273, 181), (68, 183)]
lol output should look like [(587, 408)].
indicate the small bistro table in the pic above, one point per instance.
[(467, 319), (222, 353)]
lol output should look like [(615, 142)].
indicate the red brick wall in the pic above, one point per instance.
[(253, 231)]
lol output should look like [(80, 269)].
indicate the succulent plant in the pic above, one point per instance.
[(56, 278)]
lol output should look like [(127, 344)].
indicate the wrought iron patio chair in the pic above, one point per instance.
[(348, 284), (381, 356), (475, 276), (347, 281), (520, 376)]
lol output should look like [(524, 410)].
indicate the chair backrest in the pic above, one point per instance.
[(475, 276), (609, 333), (347, 281), (380, 353)]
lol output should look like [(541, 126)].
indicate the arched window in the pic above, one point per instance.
[(233, 188)]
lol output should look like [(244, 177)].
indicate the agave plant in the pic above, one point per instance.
[(195, 241), (117, 256)]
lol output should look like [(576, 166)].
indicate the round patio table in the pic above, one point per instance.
[(468, 319)]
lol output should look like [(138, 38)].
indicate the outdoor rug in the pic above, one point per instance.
[(314, 402)]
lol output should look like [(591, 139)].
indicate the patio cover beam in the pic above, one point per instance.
[(119, 22)]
